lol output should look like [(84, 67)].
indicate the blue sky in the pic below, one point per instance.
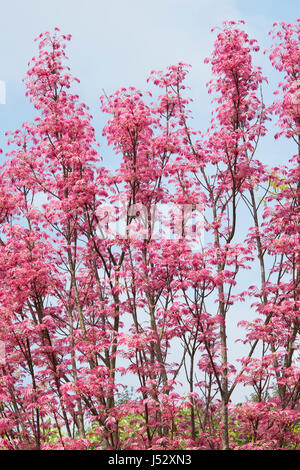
[(117, 43)]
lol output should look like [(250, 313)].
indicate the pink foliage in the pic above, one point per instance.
[(82, 307)]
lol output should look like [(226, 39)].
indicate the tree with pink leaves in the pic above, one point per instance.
[(131, 277)]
